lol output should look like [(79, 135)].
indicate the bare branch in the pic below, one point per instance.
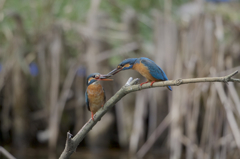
[(72, 143)]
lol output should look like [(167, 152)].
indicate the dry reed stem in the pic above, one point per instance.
[(6, 153), (186, 141), (230, 116), (154, 136), (138, 122), (235, 97), (55, 49)]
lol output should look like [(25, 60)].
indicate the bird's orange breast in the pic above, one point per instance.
[(95, 97), (143, 70)]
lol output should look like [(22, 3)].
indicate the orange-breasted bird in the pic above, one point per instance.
[(146, 67), (95, 95)]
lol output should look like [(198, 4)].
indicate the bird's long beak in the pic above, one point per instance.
[(115, 71), (105, 78)]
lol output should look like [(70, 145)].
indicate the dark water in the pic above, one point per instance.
[(83, 153)]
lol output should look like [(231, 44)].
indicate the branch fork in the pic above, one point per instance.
[(130, 86)]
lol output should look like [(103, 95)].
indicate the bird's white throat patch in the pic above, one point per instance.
[(96, 83)]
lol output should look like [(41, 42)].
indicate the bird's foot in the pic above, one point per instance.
[(143, 83), (92, 116), (152, 83)]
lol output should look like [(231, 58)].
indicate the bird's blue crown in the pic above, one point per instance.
[(130, 61), (91, 76)]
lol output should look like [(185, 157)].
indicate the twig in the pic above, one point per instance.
[(227, 71), (72, 143), (6, 153)]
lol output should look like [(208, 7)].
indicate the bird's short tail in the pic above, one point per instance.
[(169, 87)]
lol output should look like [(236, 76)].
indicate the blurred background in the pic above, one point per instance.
[(48, 48)]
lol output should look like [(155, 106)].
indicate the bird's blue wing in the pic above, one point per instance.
[(86, 100), (154, 69)]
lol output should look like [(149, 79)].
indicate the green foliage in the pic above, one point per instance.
[(38, 14)]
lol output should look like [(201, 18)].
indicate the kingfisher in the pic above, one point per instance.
[(95, 95), (146, 67)]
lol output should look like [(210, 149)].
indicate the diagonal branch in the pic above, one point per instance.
[(6, 153), (72, 143)]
